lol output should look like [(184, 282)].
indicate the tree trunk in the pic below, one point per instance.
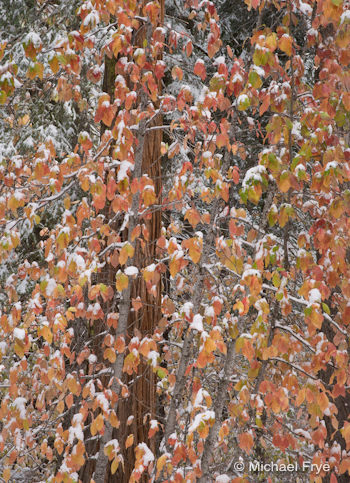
[(141, 402), (342, 403)]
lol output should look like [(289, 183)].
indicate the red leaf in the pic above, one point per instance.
[(199, 69)]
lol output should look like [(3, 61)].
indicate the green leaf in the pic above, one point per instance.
[(3, 97), (161, 373), (243, 102), (255, 80), (276, 280), (326, 308)]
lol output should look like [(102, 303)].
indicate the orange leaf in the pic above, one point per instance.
[(69, 400), (323, 401), (177, 73), (300, 397), (136, 304), (248, 350), (193, 217), (6, 474), (285, 44), (284, 182), (344, 466), (194, 249), (246, 442), (202, 360), (265, 104), (120, 344), (189, 48), (174, 266), (346, 100)]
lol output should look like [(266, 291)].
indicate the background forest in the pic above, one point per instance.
[(174, 240)]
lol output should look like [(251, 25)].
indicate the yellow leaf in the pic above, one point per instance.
[(203, 429), (345, 431), (316, 319), (108, 450), (110, 355), (176, 72), (78, 454), (73, 386), (129, 441), (19, 348), (209, 345), (99, 423), (271, 41), (114, 465), (36, 70), (122, 281), (239, 306), (148, 196), (126, 252), (23, 121), (46, 333), (160, 463), (113, 419), (54, 65)]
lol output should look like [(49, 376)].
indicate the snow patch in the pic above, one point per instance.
[(19, 333), (197, 323), (315, 296), (130, 271)]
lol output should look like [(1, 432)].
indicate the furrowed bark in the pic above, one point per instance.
[(124, 311), (141, 402)]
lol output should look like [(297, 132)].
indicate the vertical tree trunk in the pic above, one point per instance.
[(141, 402)]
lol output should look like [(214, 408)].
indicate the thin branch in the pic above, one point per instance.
[(297, 368)]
